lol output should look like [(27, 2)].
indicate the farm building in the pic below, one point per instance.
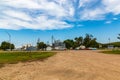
[(58, 45)]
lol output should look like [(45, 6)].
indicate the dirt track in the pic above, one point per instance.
[(66, 65)]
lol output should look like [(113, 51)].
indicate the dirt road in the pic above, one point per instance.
[(66, 65)]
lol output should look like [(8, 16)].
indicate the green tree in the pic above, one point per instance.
[(87, 40), (118, 36), (90, 41), (6, 45), (79, 41), (41, 45), (94, 43), (69, 43)]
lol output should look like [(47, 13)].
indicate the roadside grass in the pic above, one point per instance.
[(15, 57), (111, 52)]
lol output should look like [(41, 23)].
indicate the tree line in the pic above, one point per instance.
[(87, 41), (7, 45)]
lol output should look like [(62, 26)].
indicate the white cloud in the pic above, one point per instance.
[(112, 6), (82, 3), (53, 14), (115, 18), (98, 12), (89, 10), (108, 22), (29, 4), (49, 24), (41, 22), (19, 14)]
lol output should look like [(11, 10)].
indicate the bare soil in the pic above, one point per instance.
[(66, 65)]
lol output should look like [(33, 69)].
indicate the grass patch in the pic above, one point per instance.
[(112, 52), (15, 57)]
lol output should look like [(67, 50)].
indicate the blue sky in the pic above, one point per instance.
[(28, 20)]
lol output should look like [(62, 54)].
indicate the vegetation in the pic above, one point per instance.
[(41, 45), (115, 44), (14, 57), (69, 43), (6, 45), (78, 41), (88, 41), (112, 52), (118, 36)]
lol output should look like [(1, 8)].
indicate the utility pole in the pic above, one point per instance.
[(52, 40), (9, 39), (109, 40), (38, 41)]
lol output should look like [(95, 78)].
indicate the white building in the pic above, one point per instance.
[(29, 47), (49, 48), (58, 45)]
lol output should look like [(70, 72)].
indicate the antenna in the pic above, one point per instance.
[(52, 39), (47, 43), (38, 40)]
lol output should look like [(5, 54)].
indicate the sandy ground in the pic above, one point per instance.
[(66, 65)]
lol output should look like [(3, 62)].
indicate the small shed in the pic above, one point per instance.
[(31, 48), (110, 46), (82, 47), (49, 48)]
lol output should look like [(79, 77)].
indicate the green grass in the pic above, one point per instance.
[(112, 52), (15, 57)]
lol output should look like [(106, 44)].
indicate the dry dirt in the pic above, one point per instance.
[(66, 65)]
